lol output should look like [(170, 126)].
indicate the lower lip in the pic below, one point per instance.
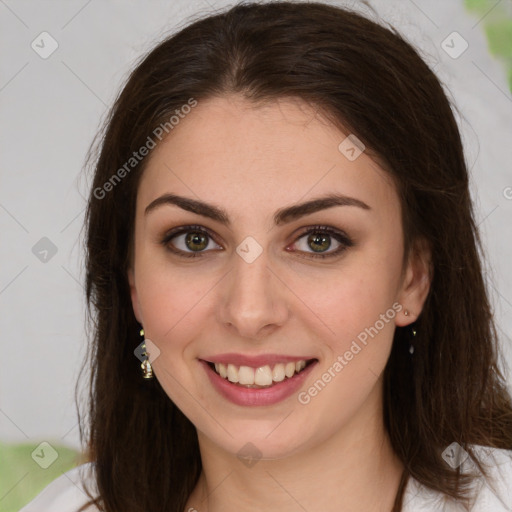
[(253, 396)]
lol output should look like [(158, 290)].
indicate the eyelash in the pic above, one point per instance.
[(339, 236)]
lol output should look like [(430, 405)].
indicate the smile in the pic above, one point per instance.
[(261, 377), (267, 382)]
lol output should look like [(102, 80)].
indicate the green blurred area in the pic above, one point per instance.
[(497, 25), (499, 36), (22, 477)]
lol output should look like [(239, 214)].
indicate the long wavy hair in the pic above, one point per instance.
[(366, 79)]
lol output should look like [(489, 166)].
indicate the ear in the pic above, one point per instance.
[(416, 282), (134, 296)]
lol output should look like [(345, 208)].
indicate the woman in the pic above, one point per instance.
[(280, 230)]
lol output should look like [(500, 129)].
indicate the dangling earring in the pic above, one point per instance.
[(147, 369), (411, 346), (413, 332)]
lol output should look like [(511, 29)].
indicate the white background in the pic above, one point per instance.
[(50, 112)]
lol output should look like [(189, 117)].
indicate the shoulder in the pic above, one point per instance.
[(490, 495), (66, 493), (495, 494)]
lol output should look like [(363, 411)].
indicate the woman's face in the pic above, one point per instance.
[(258, 296)]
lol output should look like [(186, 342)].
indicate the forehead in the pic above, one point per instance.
[(248, 156)]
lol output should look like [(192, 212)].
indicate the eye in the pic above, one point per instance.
[(315, 242), (318, 239), (188, 241)]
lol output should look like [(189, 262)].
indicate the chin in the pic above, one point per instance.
[(268, 440)]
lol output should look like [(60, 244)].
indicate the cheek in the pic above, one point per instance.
[(168, 301), (358, 309), (353, 298)]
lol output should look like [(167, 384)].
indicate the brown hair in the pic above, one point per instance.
[(367, 79)]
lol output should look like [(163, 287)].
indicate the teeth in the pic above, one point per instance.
[(232, 373), (262, 376), (245, 375), (289, 369), (278, 373), (300, 365)]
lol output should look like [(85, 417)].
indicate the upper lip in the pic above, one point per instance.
[(255, 361)]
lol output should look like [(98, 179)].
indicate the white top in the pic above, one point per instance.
[(66, 494)]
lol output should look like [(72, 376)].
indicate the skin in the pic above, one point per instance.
[(333, 453)]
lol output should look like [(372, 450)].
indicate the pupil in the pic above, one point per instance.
[(318, 240), (197, 239)]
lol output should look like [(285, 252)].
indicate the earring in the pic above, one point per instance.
[(413, 333), (411, 346), (147, 370)]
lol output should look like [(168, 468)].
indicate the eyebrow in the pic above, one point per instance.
[(282, 216)]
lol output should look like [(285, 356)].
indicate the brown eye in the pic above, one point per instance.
[(189, 241), (317, 241), (196, 241)]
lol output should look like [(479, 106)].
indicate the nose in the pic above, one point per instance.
[(253, 300)]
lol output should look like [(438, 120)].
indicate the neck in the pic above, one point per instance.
[(354, 469)]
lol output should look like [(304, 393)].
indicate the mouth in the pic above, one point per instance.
[(262, 377)]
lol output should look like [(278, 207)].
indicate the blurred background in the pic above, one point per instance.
[(62, 63)]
